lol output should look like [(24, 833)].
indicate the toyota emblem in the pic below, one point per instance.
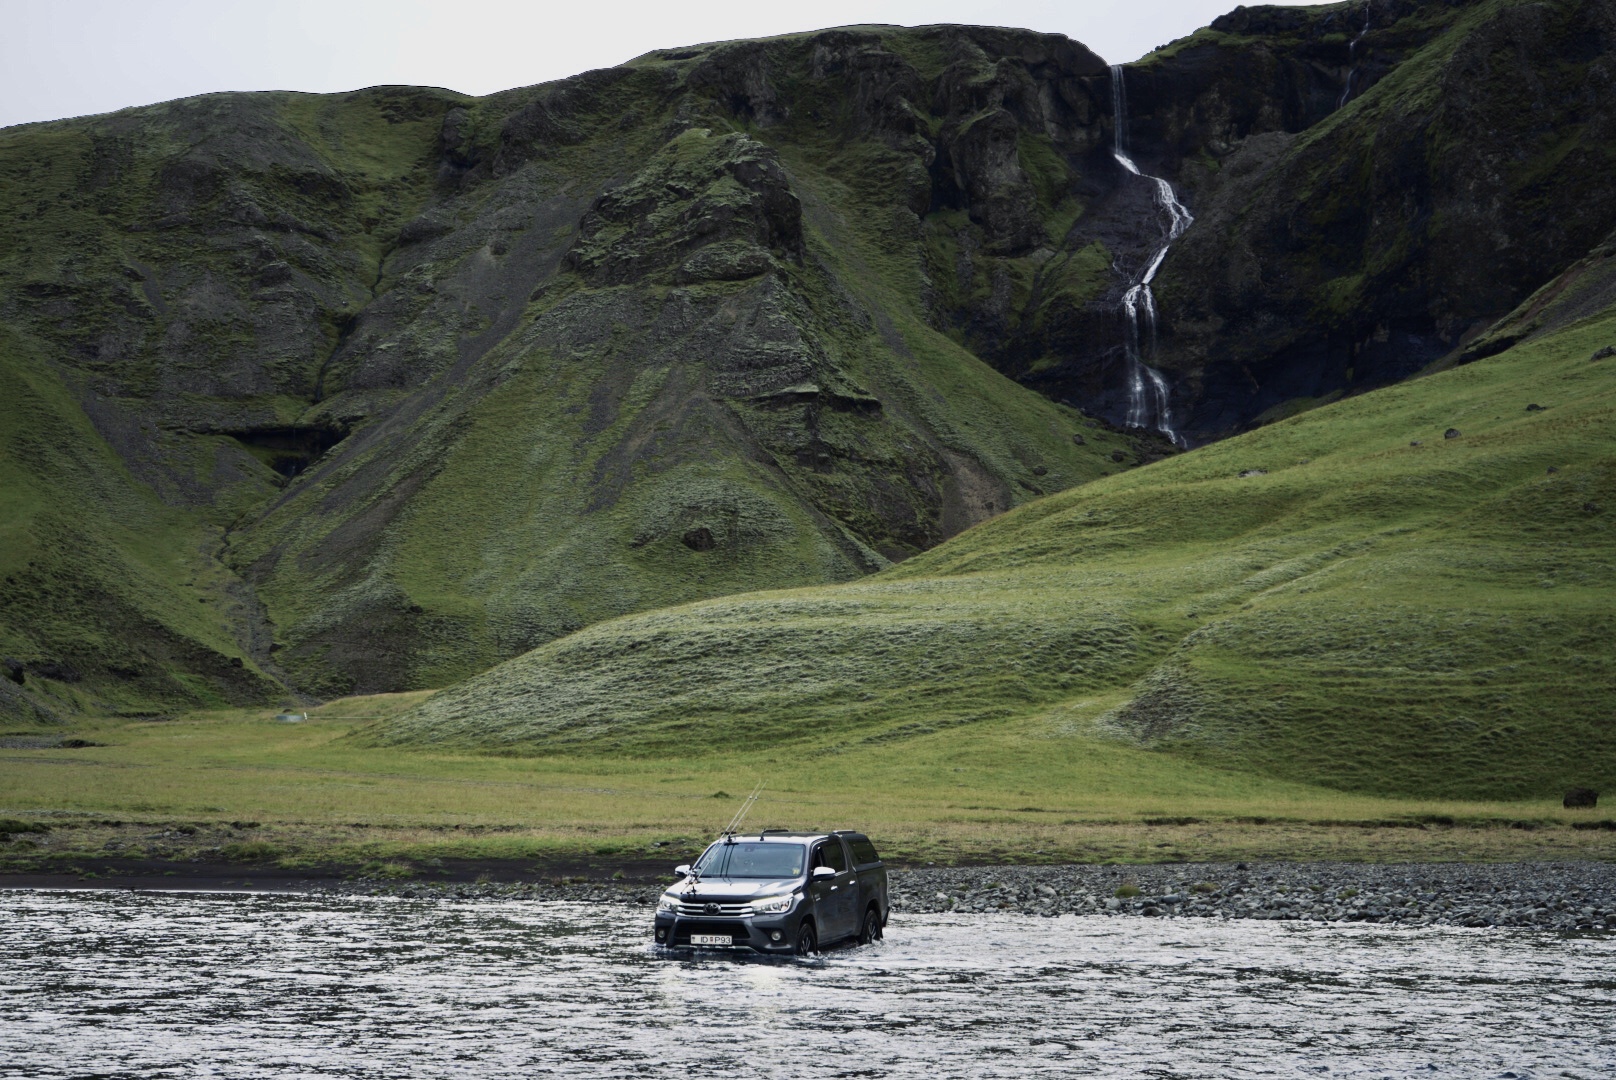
[(711, 909)]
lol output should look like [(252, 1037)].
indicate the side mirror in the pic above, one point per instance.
[(683, 869), (820, 873)]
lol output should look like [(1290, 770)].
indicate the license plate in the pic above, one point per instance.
[(711, 939)]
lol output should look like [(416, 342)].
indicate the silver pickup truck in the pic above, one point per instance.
[(777, 892)]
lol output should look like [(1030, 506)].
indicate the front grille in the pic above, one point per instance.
[(686, 927), (700, 908)]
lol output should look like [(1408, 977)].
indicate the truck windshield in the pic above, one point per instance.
[(752, 861)]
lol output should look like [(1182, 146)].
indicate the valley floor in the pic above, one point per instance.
[(215, 798)]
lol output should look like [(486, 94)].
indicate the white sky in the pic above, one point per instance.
[(72, 57)]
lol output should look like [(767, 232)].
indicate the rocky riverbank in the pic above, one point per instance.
[(1559, 896), (1552, 896)]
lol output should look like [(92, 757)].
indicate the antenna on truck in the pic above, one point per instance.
[(728, 835), (740, 815)]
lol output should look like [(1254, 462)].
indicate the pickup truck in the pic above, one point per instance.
[(777, 892)]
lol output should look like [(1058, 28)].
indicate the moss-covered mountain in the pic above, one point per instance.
[(371, 391)]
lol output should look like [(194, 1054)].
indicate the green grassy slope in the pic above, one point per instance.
[(1372, 607), (97, 575), (169, 281)]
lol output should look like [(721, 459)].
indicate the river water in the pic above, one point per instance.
[(105, 984)]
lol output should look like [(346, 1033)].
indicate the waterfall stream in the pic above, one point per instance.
[(1352, 56), (1148, 403)]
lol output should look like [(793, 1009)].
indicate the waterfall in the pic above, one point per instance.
[(1352, 55), (1148, 404)]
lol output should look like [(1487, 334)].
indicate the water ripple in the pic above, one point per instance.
[(188, 986)]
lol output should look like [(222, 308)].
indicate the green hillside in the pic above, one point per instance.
[(100, 572), (1346, 597), (416, 381)]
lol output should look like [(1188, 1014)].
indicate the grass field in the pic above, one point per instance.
[(1017, 790)]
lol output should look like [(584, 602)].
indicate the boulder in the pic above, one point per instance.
[(1581, 798)]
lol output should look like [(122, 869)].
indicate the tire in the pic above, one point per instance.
[(871, 931), (807, 939)]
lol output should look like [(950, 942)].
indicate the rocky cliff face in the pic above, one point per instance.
[(369, 391), (1351, 242)]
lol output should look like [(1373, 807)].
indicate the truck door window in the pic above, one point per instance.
[(830, 854)]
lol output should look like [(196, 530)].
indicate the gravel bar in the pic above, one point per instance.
[(1557, 896), (1550, 896)]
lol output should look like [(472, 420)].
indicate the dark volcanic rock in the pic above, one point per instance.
[(1406, 220), (704, 208), (981, 154)]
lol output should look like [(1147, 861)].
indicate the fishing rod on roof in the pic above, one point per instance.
[(740, 815)]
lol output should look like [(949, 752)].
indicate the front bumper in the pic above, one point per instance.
[(765, 933)]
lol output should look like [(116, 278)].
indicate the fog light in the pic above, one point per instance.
[(774, 935), (661, 934)]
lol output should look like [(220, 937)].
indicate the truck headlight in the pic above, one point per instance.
[(773, 904), (667, 903)]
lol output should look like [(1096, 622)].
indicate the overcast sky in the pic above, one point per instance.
[(71, 57)]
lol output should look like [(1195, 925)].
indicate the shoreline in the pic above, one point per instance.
[(1577, 896), (194, 875)]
